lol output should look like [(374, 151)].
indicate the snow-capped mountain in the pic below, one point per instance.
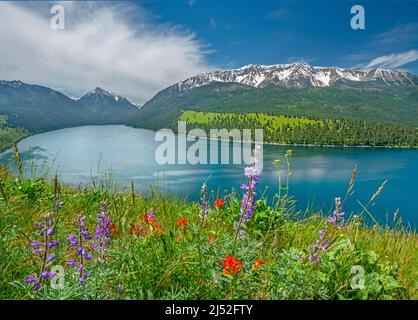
[(104, 95), (298, 75)]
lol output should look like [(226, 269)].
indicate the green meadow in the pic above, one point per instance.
[(155, 246)]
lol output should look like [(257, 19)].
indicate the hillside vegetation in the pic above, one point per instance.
[(392, 104), (9, 135), (301, 130), (129, 246)]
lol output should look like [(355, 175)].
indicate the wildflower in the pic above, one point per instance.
[(199, 282), (182, 222), (257, 264), (102, 233), (219, 203), (35, 243), (151, 216), (57, 203), (81, 252), (204, 203), (135, 229), (248, 200), (210, 238), (113, 228), (327, 235), (31, 279), (158, 228), (231, 265), (42, 250)]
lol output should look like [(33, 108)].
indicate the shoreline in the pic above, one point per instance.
[(223, 140)]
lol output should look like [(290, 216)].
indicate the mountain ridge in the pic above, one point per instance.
[(292, 90), (38, 108), (296, 75)]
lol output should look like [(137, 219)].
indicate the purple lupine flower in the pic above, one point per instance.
[(47, 275), (73, 240), (35, 243), (72, 263), (102, 233), (57, 203), (204, 203), (51, 257), (327, 235), (52, 244), (81, 252), (31, 279), (42, 250), (248, 199)]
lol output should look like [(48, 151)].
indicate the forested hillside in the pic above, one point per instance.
[(9, 135), (301, 130)]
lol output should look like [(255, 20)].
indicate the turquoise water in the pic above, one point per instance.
[(318, 174)]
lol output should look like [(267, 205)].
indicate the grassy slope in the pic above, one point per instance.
[(300, 130), (274, 122), (170, 264), (9, 135)]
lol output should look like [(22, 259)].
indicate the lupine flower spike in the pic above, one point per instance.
[(42, 248), (248, 199), (327, 235), (79, 243), (204, 203), (102, 233)]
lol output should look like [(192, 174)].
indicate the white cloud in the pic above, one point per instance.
[(393, 61), (118, 48)]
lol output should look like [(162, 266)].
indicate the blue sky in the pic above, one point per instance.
[(241, 32), (137, 48)]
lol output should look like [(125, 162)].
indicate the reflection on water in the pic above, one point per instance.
[(318, 174)]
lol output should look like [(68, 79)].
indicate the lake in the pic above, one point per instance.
[(319, 174)]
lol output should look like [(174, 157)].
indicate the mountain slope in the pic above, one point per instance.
[(298, 75), (381, 95), (106, 106), (37, 108)]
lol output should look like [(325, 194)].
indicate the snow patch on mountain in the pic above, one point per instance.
[(296, 75)]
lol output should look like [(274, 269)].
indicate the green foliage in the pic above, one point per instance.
[(8, 135), (186, 261), (390, 104), (294, 130)]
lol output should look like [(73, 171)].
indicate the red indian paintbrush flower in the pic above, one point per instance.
[(113, 228), (219, 204), (182, 222), (257, 264), (231, 265)]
